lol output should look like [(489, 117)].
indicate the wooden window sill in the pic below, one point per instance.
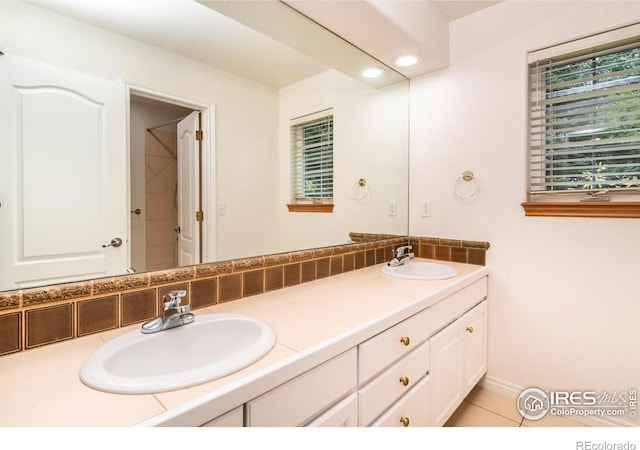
[(629, 210), (311, 207)]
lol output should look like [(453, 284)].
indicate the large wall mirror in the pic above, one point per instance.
[(104, 169)]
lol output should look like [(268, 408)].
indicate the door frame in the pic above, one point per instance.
[(208, 187)]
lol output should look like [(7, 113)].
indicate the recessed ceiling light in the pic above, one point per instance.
[(405, 60), (372, 72)]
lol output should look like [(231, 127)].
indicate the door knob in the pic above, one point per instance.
[(404, 381), (405, 340), (115, 242), (470, 329), (404, 421)]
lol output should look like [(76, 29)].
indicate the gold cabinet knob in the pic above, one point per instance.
[(404, 421), (404, 380), (405, 340), (470, 329)]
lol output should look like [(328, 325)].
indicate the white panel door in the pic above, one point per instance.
[(188, 190), (447, 371), (63, 174), (475, 346)]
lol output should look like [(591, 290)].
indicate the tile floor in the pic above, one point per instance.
[(485, 408)]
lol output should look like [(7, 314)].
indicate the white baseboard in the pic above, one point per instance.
[(513, 390)]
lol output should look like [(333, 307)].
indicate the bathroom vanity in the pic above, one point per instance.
[(357, 349)]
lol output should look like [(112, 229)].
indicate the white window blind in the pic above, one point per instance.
[(585, 120), (312, 157)]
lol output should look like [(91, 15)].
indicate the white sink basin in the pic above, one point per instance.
[(418, 270), (212, 346)]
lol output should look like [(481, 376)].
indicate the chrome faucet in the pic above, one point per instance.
[(402, 255), (173, 315)]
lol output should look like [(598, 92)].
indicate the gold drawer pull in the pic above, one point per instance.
[(470, 329), (405, 340), (404, 421), (404, 380)]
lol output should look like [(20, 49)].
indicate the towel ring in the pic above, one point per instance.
[(359, 190), (466, 186)]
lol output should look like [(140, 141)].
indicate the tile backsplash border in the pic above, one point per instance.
[(34, 317)]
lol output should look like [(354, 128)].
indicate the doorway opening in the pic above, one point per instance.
[(164, 184)]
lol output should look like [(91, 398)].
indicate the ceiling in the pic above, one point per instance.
[(384, 30), (387, 29), (453, 10)]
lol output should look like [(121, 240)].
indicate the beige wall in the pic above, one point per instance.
[(564, 292)]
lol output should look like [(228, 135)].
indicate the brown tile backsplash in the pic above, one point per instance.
[(10, 333), (204, 292), (55, 293), (55, 313), (427, 250), (323, 268), (370, 258), (308, 270), (336, 265), (48, 325), (123, 283), (348, 262), (273, 278), (291, 274), (443, 253), (138, 306), (459, 254), (252, 283), (171, 276), (229, 287), (9, 300), (277, 260), (248, 263), (477, 256), (380, 255), (214, 269), (97, 314)]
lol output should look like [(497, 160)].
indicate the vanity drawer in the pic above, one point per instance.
[(304, 397), (383, 349), (344, 414), (412, 410), (449, 309), (233, 418), (388, 387)]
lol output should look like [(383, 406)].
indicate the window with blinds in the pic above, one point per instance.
[(585, 121), (312, 157)]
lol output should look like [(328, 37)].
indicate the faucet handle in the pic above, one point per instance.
[(173, 299), (400, 251)]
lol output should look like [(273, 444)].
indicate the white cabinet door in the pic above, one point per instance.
[(63, 186), (458, 361), (447, 371), (475, 345)]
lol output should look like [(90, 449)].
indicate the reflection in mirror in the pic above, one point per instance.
[(66, 194)]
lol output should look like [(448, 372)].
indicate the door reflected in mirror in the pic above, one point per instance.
[(238, 183)]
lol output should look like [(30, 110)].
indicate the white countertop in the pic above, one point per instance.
[(314, 322)]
